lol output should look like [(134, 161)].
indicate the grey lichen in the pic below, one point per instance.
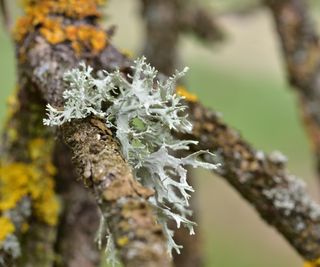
[(11, 247), (142, 113), (18, 216), (293, 198)]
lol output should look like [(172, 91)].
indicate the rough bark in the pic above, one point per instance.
[(301, 50), (79, 220), (262, 180), (122, 200), (279, 197), (24, 125), (38, 246)]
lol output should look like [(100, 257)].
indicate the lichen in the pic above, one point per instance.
[(127, 53), (142, 113), (43, 16), (315, 263), (182, 91), (286, 199), (77, 9), (34, 180), (12, 107), (26, 186), (6, 228)]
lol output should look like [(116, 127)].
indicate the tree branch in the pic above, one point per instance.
[(165, 20), (279, 197), (122, 200), (79, 220), (301, 50), (24, 158), (197, 20)]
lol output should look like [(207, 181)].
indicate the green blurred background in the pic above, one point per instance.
[(243, 79)]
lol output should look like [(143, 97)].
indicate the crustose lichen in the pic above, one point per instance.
[(142, 113)]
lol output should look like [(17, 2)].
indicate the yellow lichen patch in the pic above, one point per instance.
[(6, 228), (36, 147), (308, 264), (182, 91), (39, 15), (13, 106), (127, 53), (33, 180), (14, 180), (122, 241), (315, 263), (12, 103), (19, 180)]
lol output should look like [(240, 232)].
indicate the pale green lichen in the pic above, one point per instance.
[(143, 112)]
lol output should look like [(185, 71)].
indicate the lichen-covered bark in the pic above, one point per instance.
[(24, 129), (79, 220), (279, 197), (262, 180), (37, 246), (301, 50), (122, 200), (165, 20)]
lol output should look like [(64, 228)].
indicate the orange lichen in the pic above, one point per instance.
[(44, 16), (182, 91), (77, 9), (86, 36), (6, 228), (33, 180), (52, 30)]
